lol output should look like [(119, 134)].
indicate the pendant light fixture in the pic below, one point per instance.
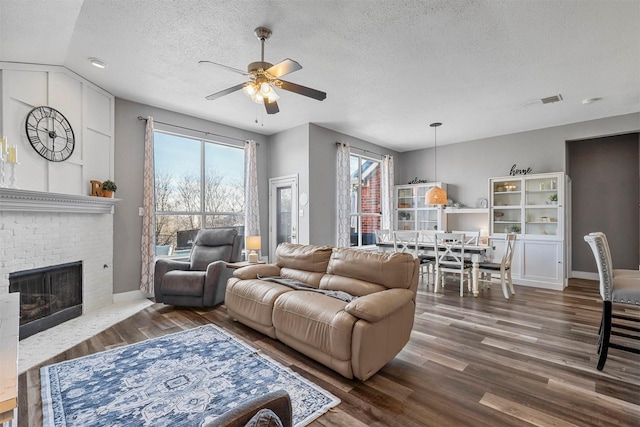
[(436, 195)]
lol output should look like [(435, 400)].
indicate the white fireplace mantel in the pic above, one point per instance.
[(39, 201)]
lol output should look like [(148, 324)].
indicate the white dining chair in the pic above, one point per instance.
[(427, 254), (470, 237), (450, 259), (499, 272), (406, 241), (383, 236)]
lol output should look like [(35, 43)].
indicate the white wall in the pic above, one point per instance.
[(88, 109)]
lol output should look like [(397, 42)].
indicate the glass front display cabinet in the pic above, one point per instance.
[(411, 211), (528, 205), (533, 207)]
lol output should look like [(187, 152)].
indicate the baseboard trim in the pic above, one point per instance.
[(541, 285), (584, 275), (128, 296)]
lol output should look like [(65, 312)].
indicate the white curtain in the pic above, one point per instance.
[(148, 244), (386, 188), (251, 207), (343, 194)]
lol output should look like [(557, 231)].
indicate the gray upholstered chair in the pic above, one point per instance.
[(242, 415), (616, 286), (202, 280)]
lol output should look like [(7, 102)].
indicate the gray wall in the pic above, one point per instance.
[(129, 160), (605, 194), (289, 155), (309, 151), (467, 167), (322, 172)]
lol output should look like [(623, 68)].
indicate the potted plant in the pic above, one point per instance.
[(554, 198), (108, 188), (515, 228)]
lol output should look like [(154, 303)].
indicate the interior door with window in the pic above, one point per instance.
[(283, 209)]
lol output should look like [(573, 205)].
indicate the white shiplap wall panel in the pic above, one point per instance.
[(99, 111), (65, 95), (85, 105), (66, 178), (21, 92), (97, 146)]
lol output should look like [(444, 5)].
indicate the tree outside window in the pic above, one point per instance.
[(198, 184)]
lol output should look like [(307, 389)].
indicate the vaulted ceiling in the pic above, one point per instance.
[(389, 67)]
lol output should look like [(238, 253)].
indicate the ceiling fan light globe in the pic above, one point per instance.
[(249, 90), (265, 89), (273, 96), (258, 98)]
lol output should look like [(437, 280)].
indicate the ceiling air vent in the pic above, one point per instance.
[(552, 99)]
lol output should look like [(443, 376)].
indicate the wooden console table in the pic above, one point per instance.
[(9, 325)]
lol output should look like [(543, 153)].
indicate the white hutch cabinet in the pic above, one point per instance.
[(411, 212), (533, 207)]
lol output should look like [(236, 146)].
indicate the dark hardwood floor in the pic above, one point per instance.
[(471, 361)]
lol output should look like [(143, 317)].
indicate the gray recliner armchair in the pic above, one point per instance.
[(201, 281)]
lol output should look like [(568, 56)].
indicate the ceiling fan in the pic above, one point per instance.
[(265, 78)]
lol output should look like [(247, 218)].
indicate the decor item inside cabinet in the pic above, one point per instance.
[(411, 212)]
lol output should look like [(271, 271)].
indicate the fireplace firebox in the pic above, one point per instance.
[(48, 296)]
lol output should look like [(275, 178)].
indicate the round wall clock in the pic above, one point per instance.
[(50, 134)]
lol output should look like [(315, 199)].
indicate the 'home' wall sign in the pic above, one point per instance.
[(515, 171), (418, 181)]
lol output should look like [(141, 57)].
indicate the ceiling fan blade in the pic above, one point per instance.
[(225, 92), (283, 67), (301, 90), (235, 70), (271, 107)]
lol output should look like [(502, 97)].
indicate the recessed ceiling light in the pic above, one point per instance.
[(98, 63), (590, 100)]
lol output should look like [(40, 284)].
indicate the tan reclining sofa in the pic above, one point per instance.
[(354, 338)]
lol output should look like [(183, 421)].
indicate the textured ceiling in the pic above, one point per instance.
[(389, 67)]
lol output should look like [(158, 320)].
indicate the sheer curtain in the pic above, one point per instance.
[(148, 244), (343, 194), (386, 188), (251, 207)]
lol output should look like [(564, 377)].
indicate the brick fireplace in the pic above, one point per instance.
[(39, 229), (49, 296)]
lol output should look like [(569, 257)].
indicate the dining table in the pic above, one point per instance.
[(475, 253)]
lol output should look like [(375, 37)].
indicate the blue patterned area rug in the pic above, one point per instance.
[(184, 379)]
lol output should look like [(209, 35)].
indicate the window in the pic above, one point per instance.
[(365, 200), (198, 184)]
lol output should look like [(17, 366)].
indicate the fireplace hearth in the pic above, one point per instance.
[(48, 296)]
